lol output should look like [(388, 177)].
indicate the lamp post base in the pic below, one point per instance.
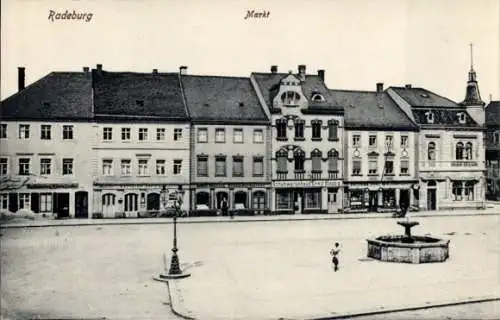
[(164, 277)]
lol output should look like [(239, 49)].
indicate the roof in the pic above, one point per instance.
[(420, 97), (269, 84), (447, 117), (57, 96), (493, 113), (217, 98), (144, 96), (371, 110)]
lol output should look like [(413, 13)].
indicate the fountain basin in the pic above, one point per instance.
[(397, 248)]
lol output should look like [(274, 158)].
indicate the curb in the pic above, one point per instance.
[(180, 221), (418, 307)]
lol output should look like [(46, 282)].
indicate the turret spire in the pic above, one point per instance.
[(472, 96)]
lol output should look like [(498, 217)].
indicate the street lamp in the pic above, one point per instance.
[(174, 272)]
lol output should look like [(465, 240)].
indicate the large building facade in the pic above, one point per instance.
[(493, 150)]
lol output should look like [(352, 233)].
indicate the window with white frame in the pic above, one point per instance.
[(46, 202), (333, 126), (46, 130), (24, 131), (372, 165), (404, 142), (67, 132), (463, 190), (107, 167), (67, 166), (258, 136), (299, 125), (126, 134), (3, 131), (160, 167), (160, 134), (220, 166), (258, 166), (356, 167), (126, 167), (404, 170), (282, 161), (177, 166), (238, 135), (316, 129), (177, 134), (24, 201), (220, 135), (281, 129), (356, 141), (333, 161), (143, 134), (389, 142), (202, 166), (107, 133), (4, 201), (24, 166), (238, 166), (143, 167), (316, 160), (4, 166), (389, 167), (45, 166), (202, 135), (372, 141)]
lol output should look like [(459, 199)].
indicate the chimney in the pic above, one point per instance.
[(155, 71), (183, 70), (20, 78), (408, 86), (85, 69), (321, 74), (99, 67), (380, 87), (274, 69), (302, 71)]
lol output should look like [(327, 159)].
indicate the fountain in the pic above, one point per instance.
[(408, 248)]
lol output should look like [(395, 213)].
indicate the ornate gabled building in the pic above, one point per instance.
[(493, 150), (307, 137), (380, 146)]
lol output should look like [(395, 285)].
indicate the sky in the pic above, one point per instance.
[(358, 42)]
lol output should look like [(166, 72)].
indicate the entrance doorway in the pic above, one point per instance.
[(332, 200), (61, 206), (431, 195), (153, 202), (404, 198), (372, 201), (81, 204), (219, 197), (298, 201), (108, 205), (259, 201)]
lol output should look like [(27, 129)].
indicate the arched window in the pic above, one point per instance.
[(299, 128), (290, 98), (459, 151), (333, 158), (431, 151), (282, 160), (468, 151), (299, 158), (317, 97), (131, 202), (316, 160), (281, 128)]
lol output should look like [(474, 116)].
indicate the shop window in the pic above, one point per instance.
[(463, 190), (389, 198), (313, 199), (356, 199), (284, 200)]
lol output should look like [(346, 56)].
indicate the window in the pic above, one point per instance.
[(45, 132), (356, 140), (333, 157), (468, 151), (313, 199), (463, 190), (4, 166), (372, 141), (24, 201), (143, 134), (67, 166), (107, 167), (220, 166), (46, 202), (3, 131), (160, 167), (125, 134), (202, 135), (316, 129), (469, 190), (24, 166), (461, 117), (281, 128), (238, 135), (299, 129), (45, 166), (202, 166), (431, 151), (125, 167), (316, 160), (177, 166), (4, 202), (67, 132), (282, 161), (160, 134), (177, 134), (298, 159), (131, 202), (333, 129), (258, 166), (388, 142), (317, 97), (356, 167), (258, 136), (24, 131), (372, 166), (404, 167), (143, 167), (389, 167), (238, 166), (284, 199), (404, 142), (430, 117), (107, 133), (290, 98), (220, 135), (459, 151)]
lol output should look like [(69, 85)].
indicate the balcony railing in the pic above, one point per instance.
[(282, 175), (452, 163), (333, 174), (300, 175), (464, 163), (315, 175)]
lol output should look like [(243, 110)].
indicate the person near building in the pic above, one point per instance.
[(334, 253)]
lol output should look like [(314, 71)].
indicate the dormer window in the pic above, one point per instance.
[(430, 117), (290, 98), (461, 117), (317, 97)]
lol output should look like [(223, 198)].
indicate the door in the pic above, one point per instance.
[(81, 204), (259, 202), (153, 202), (431, 199), (62, 205), (298, 201), (108, 205), (373, 201), (332, 201)]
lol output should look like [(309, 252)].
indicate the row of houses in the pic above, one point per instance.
[(103, 144)]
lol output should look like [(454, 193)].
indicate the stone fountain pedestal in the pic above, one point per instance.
[(408, 248)]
